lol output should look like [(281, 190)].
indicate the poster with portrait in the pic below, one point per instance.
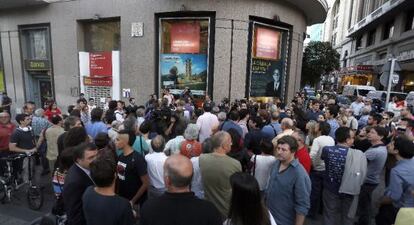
[(268, 61), (179, 71)]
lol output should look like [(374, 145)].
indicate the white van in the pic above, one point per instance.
[(410, 99), (355, 90)]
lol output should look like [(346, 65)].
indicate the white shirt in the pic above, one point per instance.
[(119, 115), (206, 123), (356, 107), (174, 145), (316, 151), (262, 169), (155, 168), (196, 183)]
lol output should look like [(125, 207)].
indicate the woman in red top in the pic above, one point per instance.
[(52, 110), (190, 147)]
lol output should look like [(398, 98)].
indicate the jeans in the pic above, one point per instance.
[(364, 203), (316, 193), (335, 209), (386, 215)]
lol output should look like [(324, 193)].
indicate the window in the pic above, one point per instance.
[(371, 37), (35, 42), (101, 36), (333, 39), (409, 22), (388, 30), (2, 86), (358, 43), (184, 54)]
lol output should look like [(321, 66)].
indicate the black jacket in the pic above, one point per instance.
[(76, 182)]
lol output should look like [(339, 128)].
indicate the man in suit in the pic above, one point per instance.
[(272, 88), (76, 182)]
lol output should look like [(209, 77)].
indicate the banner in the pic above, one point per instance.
[(185, 37), (268, 63), (100, 64), (94, 81), (179, 71), (267, 43)]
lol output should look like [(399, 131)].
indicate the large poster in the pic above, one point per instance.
[(179, 71), (185, 37), (268, 62)]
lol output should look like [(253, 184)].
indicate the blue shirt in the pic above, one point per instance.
[(38, 124), (93, 128), (228, 124), (401, 186), (334, 158), (288, 192), (376, 156), (271, 130), (334, 125), (313, 115)]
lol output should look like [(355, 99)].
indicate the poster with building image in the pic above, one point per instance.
[(268, 61), (179, 71)]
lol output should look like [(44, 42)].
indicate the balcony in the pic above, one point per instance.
[(11, 4), (314, 10), (385, 11)]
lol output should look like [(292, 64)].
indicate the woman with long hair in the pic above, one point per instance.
[(52, 110), (246, 206)]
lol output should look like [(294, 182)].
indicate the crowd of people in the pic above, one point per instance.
[(172, 161)]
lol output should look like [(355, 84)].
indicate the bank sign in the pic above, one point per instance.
[(36, 65)]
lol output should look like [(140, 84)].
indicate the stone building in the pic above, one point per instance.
[(55, 49)]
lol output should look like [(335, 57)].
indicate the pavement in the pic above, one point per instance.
[(17, 211)]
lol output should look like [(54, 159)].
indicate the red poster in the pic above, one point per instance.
[(185, 37), (100, 64), (93, 81), (267, 43)]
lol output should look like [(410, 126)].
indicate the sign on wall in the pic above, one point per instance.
[(100, 64), (268, 65), (36, 65)]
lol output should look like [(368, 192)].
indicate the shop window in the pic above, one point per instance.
[(268, 59), (409, 22), (184, 55), (371, 37), (388, 30), (101, 36)]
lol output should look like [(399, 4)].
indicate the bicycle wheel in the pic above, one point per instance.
[(35, 197)]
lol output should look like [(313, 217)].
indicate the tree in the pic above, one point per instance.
[(319, 59)]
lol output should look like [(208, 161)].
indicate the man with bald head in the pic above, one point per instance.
[(178, 205), (216, 169), (287, 126)]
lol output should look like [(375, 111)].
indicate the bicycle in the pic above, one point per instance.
[(9, 182)]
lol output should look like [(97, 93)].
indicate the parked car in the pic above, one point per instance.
[(343, 101), (356, 90), (410, 99), (383, 95)]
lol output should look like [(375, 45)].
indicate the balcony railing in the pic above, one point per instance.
[(383, 9)]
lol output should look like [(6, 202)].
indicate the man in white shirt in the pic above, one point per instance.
[(351, 122), (155, 167), (173, 146), (357, 105), (207, 122), (318, 165)]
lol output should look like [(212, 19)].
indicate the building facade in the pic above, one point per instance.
[(57, 49), (367, 33)]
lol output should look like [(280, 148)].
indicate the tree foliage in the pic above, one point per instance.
[(319, 59)]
